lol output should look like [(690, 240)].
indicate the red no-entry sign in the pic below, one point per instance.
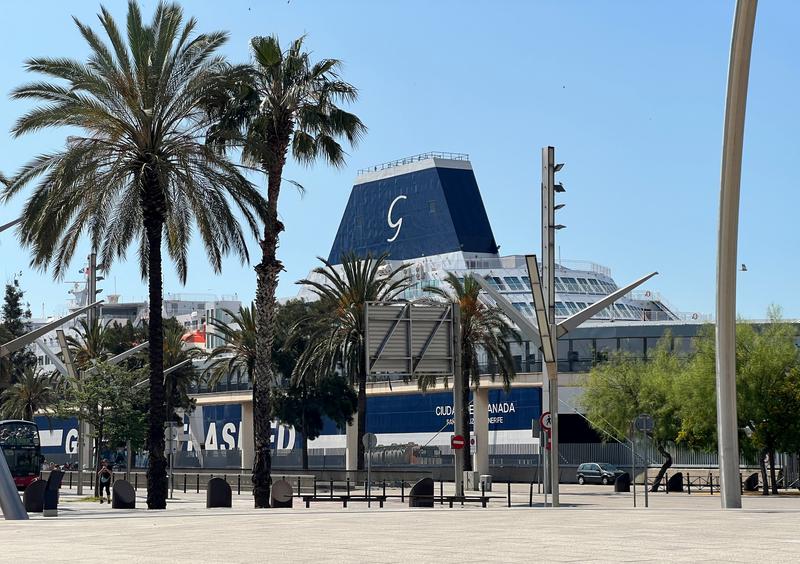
[(457, 442)]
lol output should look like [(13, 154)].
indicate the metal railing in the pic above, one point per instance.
[(416, 158)]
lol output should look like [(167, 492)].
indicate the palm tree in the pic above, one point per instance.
[(135, 167), (177, 383), (90, 344), (484, 330), (338, 341), (284, 102), (35, 391), (238, 351)]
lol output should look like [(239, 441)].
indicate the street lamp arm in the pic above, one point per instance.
[(575, 320)]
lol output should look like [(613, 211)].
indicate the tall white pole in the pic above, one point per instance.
[(733, 135)]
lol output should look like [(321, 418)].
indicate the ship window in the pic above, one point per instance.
[(522, 307), (581, 306), (513, 283), (595, 285), (561, 310), (498, 282), (526, 281), (571, 307), (560, 286), (571, 285), (585, 284)]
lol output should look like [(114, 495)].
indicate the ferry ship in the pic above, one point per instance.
[(426, 212)]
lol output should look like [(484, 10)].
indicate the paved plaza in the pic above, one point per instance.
[(595, 525)]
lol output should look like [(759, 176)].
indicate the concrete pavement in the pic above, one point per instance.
[(596, 526)]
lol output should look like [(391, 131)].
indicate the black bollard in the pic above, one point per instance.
[(402, 491), (298, 485), (688, 485), (70, 480), (741, 484), (509, 493), (315, 486), (348, 493), (184, 483), (384, 488), (348, 486), (136, 482), (441, 492), (666, 481), (198, 483), (530, 497), (710, 484), (239, 484)]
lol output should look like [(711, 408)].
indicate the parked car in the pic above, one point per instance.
[(598, 472)]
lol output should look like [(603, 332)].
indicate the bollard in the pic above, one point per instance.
[(298, 485), (441, 492), (402, 491), (198, 483), (741, 484), (184, 483), (688, 485), (530, 497), (384, 488), (483, 488), (666, 481), (348, 493), (135, 482), (710, 484), (70, 480), (509, 493), (239, 484), (348, 486), (315, 486)]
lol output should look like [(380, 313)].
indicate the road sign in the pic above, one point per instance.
[(644, 423), (457, 442), (546, 421), (370, 441)]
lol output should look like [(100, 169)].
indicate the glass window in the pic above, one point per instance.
[(563, 349), (584, 286), (498, 282), (620, 311), (582, 349), (634, 346), (571, 285), (596, 288), (527, 282), (561, 310), (573, 309), (604, 347), (684, 346), (581, 305), (560, 287), (513, 283), (522, 307)]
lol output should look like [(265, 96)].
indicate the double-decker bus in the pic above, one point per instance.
[(19, 441)]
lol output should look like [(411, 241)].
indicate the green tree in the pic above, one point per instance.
[(16, 322), (178, 383), (284, 103), (135, 168), (484, 331), (120, 338), (109, 398), (338, 337), (35, 391), (621, 388), (89, 344), (305, 403), (767, 398)]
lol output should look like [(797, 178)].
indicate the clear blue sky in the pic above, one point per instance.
[(631, 93)]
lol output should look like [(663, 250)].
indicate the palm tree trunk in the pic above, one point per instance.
[(763, 465), (772, 475), (267, 282), (157, 463), (467, 450), (362, 417)]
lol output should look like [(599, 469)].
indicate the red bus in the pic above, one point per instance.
[(19, 441)]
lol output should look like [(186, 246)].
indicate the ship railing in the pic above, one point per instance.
[(416, 158)]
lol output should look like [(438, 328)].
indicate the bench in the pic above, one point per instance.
[(483, 499), (344, 499)]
